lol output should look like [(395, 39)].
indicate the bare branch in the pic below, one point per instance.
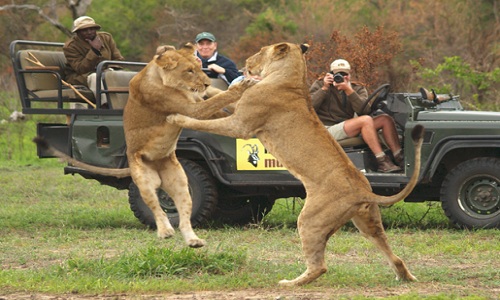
[(41, 13), (78, 7)]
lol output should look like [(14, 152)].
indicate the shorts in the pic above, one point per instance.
[(337, 131)]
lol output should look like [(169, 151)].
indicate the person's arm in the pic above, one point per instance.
[(81, 60), (109, 50), (231, 71), (358, 99), (318, 92), (115, 52)]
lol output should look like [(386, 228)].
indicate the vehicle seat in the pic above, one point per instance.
[(219, 83), (116, 85), (358, 141), (352, 142), (44, 83)]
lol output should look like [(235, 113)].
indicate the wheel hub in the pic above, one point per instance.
[(481, 196), (166, 203)]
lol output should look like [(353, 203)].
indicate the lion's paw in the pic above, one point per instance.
[(176, 119), (243, 85), (166, 233), (171, 118), (406, 277), (249, 81), (196, 243)]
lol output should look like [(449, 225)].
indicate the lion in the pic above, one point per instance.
[(278, 111), (172, 82)]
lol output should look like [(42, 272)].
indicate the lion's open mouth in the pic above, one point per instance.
[(253, 74), (196, 89)]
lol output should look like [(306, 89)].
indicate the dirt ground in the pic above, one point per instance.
[(420, 289)]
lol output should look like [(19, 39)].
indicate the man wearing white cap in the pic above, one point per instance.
[(86, 49), (220, 66), (338, 104)]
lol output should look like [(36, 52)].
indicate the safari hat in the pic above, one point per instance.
[(205, 36), (340, 65), (84, 22)]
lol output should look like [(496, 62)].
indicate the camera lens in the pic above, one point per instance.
[(338, 78)]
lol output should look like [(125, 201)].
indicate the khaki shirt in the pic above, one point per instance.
[(81, 60), (331, 107)]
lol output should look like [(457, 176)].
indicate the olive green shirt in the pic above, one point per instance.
[(331, 107)]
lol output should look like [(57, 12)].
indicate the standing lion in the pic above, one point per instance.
[(171, 83)]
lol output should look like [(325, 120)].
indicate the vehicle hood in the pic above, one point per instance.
[(458, 116)]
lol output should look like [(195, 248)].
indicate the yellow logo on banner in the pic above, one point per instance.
[(252, 155)]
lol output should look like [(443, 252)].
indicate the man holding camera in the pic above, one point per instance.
[(338, 102)]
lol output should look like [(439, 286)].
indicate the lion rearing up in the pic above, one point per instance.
[(278, 111), (169, 84)]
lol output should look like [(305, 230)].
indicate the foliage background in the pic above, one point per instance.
[(450, 45)]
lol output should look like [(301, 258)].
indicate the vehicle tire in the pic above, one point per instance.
[(470, 193), (203, 194), (241, 211)]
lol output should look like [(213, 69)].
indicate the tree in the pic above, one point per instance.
[(369, 53)]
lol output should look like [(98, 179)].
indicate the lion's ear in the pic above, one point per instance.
[(166, 62), (188, 49), (280, 50), (304, 47), (164, 48)]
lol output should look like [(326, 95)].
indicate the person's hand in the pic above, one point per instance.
[(344, 86), (327, 81), (216, 68), (96, 43)]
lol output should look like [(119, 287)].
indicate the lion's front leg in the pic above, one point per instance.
[(228, 126), (221, 100)]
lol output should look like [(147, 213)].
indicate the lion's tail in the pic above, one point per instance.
[(417, 135), (119, 173)]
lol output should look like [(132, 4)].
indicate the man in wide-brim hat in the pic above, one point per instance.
[(86, 49)]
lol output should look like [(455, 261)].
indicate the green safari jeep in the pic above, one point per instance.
[(238, 181)]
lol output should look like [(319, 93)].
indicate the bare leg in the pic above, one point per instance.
[(386, 123), (365, 126), (175, 183), (369, 223)]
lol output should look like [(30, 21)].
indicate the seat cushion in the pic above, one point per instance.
[(117, 83), (52, 60)]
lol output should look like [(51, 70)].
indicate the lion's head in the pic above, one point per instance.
[(180, 69), (281, 57)]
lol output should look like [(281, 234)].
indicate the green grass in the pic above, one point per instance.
[(63, 234)]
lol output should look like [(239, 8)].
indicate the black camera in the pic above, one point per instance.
[(338, 77)]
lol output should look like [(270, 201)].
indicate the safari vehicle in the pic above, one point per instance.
[(238, 181)]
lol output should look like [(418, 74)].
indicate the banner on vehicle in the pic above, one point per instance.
[(251, 155)]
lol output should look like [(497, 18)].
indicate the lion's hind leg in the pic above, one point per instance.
[(148, 181), (369, 223), (319, 220), (174, 181)]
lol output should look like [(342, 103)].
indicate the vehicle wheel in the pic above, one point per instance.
[(470, 193), (203, 193), (243, 210)]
